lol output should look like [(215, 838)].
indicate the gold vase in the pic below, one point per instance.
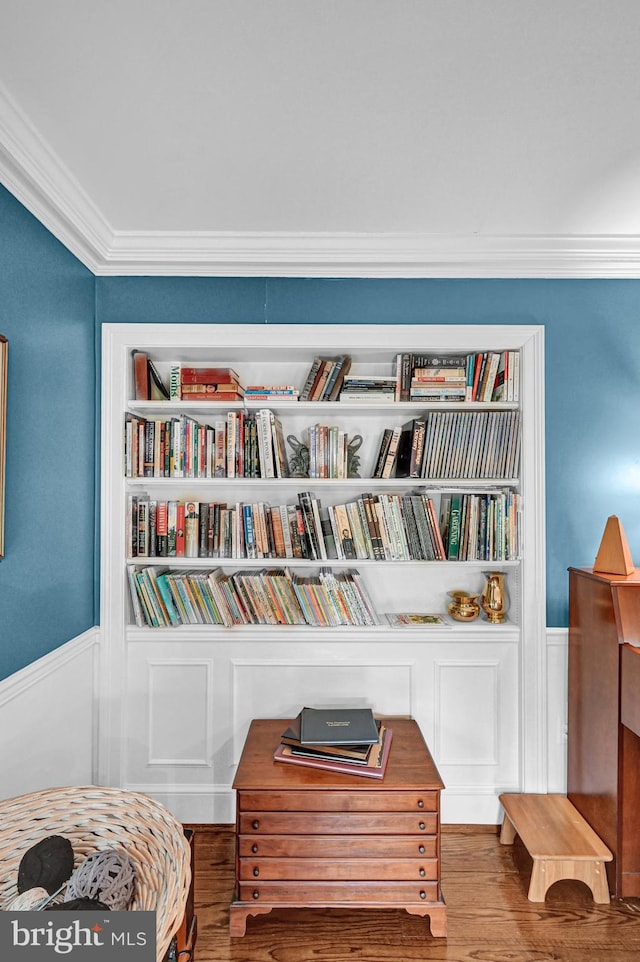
[(464, 606), (494, 597)]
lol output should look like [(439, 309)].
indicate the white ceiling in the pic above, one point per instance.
[(356, 136)]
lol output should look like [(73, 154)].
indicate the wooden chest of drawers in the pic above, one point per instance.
[(306, 837)]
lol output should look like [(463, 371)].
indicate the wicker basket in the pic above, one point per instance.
[(95, 818)]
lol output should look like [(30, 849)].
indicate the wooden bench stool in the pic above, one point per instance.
[(560, 842)]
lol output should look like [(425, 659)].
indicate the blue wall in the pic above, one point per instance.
[(592, 339), (47, 582), (51, 308)]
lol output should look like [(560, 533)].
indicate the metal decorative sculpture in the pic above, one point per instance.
[(353, 459), (299, 461)]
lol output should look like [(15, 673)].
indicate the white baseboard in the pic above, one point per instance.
[(48, 719), (195, 804)]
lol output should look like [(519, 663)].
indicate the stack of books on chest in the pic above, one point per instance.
[(346, 740)]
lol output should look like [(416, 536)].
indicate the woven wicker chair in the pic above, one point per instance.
[(95, 818)]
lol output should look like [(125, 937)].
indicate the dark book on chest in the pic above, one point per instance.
[(338, 726)]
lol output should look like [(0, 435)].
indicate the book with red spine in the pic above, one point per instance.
[(208, 375), (142, 382)]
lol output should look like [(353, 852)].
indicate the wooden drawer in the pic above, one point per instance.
[(326, 801), (338, 846), (338, 870), (335, 893), (312, 823)]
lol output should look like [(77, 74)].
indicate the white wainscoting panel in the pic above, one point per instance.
[(278, 688), (557, 680), (467, 683), (170, 708), (48, 716), (179, 702), (483, 761), (190, 724), (190, 714)]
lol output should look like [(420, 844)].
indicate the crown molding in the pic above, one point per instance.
[(32, 172), (291, 254)]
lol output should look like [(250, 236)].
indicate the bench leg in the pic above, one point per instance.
[(508, 831), (547, 871), (595, 876)]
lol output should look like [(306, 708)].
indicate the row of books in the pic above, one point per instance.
[(452, 444), (162, 597), (378, 527), (387, 527), (483, 376), (409, 527), (369, 388), (328, 452), (200, 383), (214, 529), (325, 377), (482, 527), (367, 758), (185, 382), (240, 445)]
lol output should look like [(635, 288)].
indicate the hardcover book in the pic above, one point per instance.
[(358, 754), (375, 767), (336, 387), (207, 375), (158, 390), (409, 449), (311, 376), (141, 376), (338, 726)]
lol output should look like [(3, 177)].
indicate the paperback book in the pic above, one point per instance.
[(415, 619)]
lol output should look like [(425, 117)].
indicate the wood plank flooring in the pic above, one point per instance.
[(489, 916)]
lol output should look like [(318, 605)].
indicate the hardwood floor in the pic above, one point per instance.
[(489, 916)]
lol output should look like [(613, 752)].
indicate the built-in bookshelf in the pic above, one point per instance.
[(242, 516)]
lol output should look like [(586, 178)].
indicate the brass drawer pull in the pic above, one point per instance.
[(254, 848), (421, 826), (255, 823), (421, 849), (423, 895), (256, 872), (421, 872), (256, 894), (420, 803)]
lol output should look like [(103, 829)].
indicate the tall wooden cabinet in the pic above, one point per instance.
[(176, 702), (603, 763)]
